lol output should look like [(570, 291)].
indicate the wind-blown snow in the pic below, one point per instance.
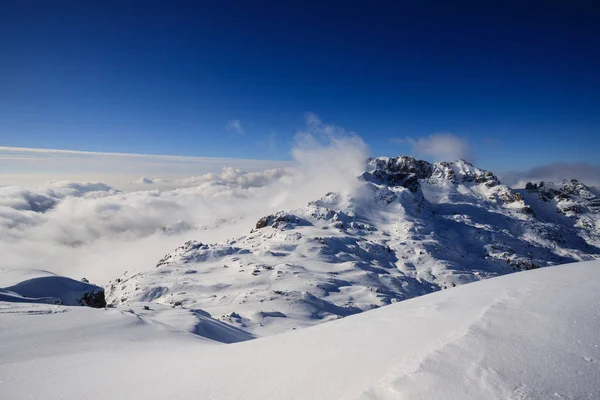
[(530, 335)]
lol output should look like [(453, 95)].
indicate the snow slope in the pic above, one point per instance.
[(411, 228), (529, 335), (37, 286)]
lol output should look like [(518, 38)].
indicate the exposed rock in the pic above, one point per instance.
[(281, 220), (93, 299), (407, 172), (572, 197), (399, 171)]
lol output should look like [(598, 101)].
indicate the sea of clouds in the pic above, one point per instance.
[(118, 222), (93, 230)]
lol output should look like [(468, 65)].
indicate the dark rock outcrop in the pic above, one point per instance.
[(281, 220), (398, 171), (93, 299), (408, 171)]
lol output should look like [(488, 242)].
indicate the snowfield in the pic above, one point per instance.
[(528, 335), (221, 319)]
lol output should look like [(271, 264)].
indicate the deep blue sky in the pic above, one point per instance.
[(520, 80)]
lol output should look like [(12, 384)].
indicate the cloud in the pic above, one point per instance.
[(555, 172), (234, 126), (144, 180), (94, 230), (334, 154), (439, 147), (38, 166)]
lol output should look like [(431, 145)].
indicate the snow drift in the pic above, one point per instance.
[(527, 335), (36, 286)]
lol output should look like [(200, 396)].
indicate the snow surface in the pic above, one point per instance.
[(38, 286), (410, 228), (529, 335), (405, 229)]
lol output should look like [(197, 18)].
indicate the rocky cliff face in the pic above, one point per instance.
[(409, 172), (411, 228)]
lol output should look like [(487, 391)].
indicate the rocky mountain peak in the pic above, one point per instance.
[(406, 171), (571, 196), (402, 171)]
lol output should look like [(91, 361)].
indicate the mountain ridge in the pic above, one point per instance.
[(410, 227)]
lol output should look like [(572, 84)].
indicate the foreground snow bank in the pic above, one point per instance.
[(37, 286), (527, 335)]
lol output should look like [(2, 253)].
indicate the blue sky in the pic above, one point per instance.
[(518, 81)]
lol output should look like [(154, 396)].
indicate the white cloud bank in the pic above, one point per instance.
[(36, 166), (439, 147), (91, 229), (99, 230)]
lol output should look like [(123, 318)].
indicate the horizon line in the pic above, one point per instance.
[(117, 154)]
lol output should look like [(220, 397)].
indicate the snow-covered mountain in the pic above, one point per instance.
[(531, 335), (411, 228)]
